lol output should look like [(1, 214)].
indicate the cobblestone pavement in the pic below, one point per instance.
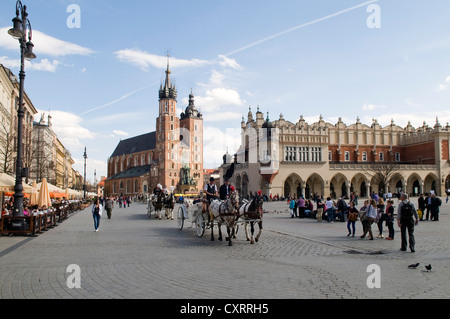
[(136, 257)]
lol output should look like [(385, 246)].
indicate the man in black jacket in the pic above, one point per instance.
[(224, 191), (435, 204)]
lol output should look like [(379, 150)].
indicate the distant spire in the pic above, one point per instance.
[(169, 90), (167, 85)]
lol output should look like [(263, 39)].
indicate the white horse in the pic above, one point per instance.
[(169, 205), (225, 212)]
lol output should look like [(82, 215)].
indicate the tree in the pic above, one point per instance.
[(7, 150), (383, 173)]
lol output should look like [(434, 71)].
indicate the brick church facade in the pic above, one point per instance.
[(171, 156)]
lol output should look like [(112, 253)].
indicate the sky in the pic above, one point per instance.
[(100, 63)]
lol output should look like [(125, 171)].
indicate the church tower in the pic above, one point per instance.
[(191, 126), (167, 136)]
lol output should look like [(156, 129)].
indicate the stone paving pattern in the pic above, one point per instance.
[(136, 257)]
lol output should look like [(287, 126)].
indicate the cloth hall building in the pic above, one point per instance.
[(285, 158), (171, 156)]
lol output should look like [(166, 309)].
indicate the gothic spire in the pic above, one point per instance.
[(169, 90)]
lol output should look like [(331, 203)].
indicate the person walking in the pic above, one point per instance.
[(352, 218), (390, 219), (301, 207), (97, 211), (405, 214), (330, 210), (369, 218), (380, 217), (435, 204), (109, 205), (292, 207), (320, 205)]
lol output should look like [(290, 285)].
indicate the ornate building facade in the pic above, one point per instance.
[(171, 156), (285, 158)]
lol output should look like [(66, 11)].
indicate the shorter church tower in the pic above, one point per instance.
[(191, 133)]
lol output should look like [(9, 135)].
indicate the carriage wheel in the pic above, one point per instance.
[(200, 223), (180, 218)]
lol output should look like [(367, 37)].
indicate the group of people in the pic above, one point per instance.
[(376, 211), (300, 207), (429, 203)]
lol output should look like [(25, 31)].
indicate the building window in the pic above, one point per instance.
[(304, 154), (330, 156), (291, 154), (364, 156), (347, 156), (381, 157), (316, 154), (195, 128), (397, 157)]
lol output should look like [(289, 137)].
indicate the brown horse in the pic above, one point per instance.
[(251, 213)]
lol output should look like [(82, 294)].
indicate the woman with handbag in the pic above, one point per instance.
[(390, 219), (369, 218), (97, 211), (352, 217), (380, 217)]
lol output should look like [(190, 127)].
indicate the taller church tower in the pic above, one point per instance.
[(167, 128)]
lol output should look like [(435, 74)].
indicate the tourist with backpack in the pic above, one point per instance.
[(406, 214)]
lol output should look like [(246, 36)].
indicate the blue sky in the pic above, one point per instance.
[(316, 57)]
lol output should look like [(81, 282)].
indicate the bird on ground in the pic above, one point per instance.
[(428, 267), (413, 266)]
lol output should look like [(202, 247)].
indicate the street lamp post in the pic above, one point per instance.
[(84, 183), (20, 30)]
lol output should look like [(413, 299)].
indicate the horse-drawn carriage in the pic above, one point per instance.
[(230, 213), (159, 202)]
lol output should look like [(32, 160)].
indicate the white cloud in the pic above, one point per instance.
[(216, 142), (412, 103), (216, 98), (224, 116), (370, 107), (100, 167), (443, 87), (67, 126), (43, 65), (145, 60), (120, 133), (227, 62), (216, 78), (44, 45)]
